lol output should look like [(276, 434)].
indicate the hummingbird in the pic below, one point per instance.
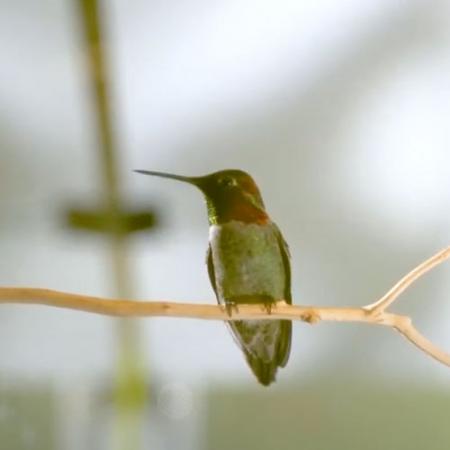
[(248, 263)]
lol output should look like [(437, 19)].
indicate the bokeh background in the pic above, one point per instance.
[(339, 109)]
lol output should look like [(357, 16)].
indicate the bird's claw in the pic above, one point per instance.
[(231, 306), (268, 305)]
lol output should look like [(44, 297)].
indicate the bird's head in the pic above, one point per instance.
[(230, 195)]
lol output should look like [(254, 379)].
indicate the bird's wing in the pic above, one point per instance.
[(286, 256), (284, 343), (232, 326), (212, 276)]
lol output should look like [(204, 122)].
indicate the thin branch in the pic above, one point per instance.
[(133, 308), (374, 313), (407, 280)]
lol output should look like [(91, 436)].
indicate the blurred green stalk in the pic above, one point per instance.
[(130, 385)]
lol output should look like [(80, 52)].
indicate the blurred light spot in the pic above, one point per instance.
[(175, 401), (29, 437)]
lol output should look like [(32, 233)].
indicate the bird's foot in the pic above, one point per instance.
[(231, 306), (269, 304)]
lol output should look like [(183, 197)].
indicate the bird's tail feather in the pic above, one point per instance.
[(265, 370)]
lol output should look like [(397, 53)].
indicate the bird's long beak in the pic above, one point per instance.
[(191, 180)]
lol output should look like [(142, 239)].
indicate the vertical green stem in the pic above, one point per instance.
[(130, 393)]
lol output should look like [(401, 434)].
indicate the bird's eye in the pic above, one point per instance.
[(227, 182)]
